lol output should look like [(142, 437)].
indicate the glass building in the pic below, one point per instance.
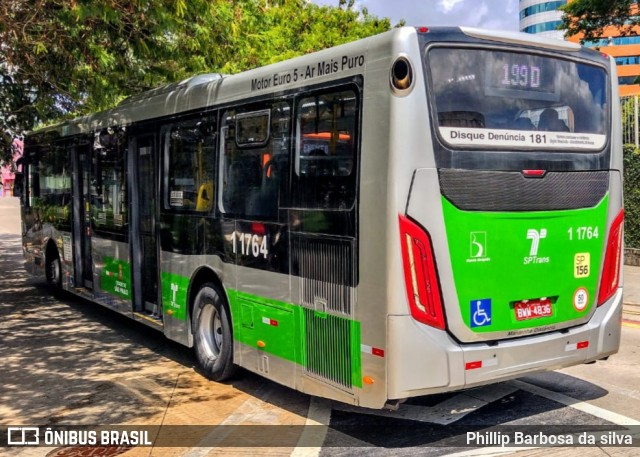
[(541, 17)]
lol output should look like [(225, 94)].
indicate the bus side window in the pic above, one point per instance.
[(254, 163), (50, 181), (190, 149), (109, 182), (325, 155)]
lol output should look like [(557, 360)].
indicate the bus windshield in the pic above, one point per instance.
[(499, 99)]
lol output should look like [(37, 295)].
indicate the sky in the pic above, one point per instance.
[(488, 14)]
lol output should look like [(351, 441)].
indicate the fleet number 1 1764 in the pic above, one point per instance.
[(583, 233)]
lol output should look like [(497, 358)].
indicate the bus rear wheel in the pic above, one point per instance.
[(53, 269), (213, 337)]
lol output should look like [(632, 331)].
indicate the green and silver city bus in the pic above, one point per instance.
[(421, 211)]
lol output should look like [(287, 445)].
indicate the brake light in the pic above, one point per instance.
[(258, 228), (420, 274), (611, 269), (534, 173)]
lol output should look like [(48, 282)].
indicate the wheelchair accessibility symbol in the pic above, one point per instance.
[(481, 312)]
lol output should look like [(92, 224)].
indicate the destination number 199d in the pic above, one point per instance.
[(250, 244)]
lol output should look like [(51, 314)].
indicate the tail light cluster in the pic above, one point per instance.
[(420, 274), (613, 255)]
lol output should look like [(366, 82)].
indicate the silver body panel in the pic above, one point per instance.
[(396, 159), (419, 353)]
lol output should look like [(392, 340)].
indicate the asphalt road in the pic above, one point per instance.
[(66, 361)]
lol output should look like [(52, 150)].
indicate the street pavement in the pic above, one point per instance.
[(69, 363), (632, 285), (631, 295), (9, 209)]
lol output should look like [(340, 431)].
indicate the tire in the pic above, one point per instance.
[(53, 270), (213, 335)]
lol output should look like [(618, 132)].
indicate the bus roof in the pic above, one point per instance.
[(521, 38), (206, 90)]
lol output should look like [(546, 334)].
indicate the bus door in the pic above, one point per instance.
[(82, 260), (254, 172), (144, 248), (323, 228)]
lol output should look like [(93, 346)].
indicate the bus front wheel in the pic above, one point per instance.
[(213, 337)]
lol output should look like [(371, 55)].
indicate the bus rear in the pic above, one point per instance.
[(512, 242)]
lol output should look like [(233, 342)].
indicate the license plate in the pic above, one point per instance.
[(532, 309)]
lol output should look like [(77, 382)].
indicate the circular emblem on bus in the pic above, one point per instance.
[(580, 299)]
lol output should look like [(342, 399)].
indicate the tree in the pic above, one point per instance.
[(62, 58), (590, 17), (59, 58), (632, 196), (269, 32)]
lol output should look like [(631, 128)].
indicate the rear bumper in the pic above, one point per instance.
[(424, 360)]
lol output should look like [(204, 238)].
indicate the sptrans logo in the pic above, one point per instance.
[(535, 236)]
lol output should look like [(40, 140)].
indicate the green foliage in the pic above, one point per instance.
[(62, 58), (287, 28), (632, 196), (6, 149), (628, 114), (590, 17)]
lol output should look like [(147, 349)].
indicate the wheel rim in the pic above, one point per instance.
[(210, 330)]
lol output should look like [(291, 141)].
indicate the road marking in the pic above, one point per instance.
[(585, 407), (571, 402), (252, 408), (449, 411), (445, 413), (630, 323), (490, 451), (315, 429), (216, 436)]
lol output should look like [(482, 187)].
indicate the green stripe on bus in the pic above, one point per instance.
[(324, 344), (502, 258), (174, 295), (116, 277)]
